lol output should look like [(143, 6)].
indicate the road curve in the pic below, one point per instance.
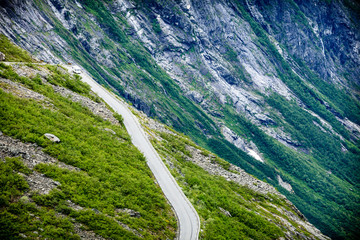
[(188, 219)]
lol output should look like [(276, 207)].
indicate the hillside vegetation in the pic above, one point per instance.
[(279, 78), (231, 203), (100, 185), (12, 52), (110, 174)]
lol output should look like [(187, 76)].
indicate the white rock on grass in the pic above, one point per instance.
[(52, 137)]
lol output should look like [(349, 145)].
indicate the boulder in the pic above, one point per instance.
[(52, 137)]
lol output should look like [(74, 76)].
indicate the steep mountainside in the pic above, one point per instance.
[(89, 182), (270, 86), (231, 203)]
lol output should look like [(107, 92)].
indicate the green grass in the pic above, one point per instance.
[(325, 148), (21, 216), (113, 175), (12, 52), (209, 194)]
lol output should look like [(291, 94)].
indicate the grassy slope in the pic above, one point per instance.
[(253, 215), (95, 187), (172, 108), (12, 52), (113, 175)]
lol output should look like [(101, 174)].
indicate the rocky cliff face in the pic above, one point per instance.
[(237, 76)]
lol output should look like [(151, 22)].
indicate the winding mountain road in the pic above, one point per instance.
[(188, 219)]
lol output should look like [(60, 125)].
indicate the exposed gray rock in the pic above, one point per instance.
[(74, 206), (248, 147), (195, 96), (84, 234), (190, 29), (205, 46), (352, 127), (192, 48), (30, 153), (110, 131), (234, 173), (326, 127), (19, 90), (2, 56), (99, 109), (282, 137), (40, 184), (225, 212), (211, 166), (153, 124), (284, 184), (32, 70), (130, 212), (138, 101)]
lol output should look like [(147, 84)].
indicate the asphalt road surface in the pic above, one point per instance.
[(188, 219)]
